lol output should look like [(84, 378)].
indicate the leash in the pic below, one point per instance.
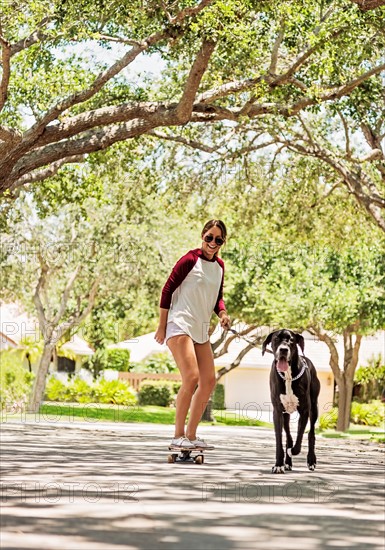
[(246, 339)]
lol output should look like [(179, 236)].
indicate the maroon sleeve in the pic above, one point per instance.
[(180, 271), (220, 304)]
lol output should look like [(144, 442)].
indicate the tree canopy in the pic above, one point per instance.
[(221, 66)]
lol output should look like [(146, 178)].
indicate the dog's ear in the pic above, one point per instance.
[(267, 342), (300, 340)]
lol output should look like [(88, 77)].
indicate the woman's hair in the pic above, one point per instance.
[(217, 223)]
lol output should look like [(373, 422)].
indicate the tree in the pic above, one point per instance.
[(275, 63), (84, 252), (52, 262), (325, 291), (369, 4), (346, 138)]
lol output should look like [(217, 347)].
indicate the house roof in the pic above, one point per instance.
[(15, 325), (6, 343), (78, 346), (141, 347)]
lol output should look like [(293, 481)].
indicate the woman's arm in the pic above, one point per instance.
[(160, 333)]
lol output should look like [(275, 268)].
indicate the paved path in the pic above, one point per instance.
[(108, 486)]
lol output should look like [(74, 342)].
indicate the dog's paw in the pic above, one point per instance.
[(288, 467), (278, 470), (311, 467), (296, 449)]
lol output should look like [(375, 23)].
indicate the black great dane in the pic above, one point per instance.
[(305, 388)]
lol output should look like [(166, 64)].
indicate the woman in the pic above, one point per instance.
[(189, 297)]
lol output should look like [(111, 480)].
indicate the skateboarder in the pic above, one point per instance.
[(192, 292)]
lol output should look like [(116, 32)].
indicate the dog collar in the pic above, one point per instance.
[(304, 366)]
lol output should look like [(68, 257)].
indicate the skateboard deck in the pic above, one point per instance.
[(195, 455)]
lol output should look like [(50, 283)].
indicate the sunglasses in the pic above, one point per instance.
[(210, 238)]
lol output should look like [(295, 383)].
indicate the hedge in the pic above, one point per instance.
[(157, 392), (79, 391)]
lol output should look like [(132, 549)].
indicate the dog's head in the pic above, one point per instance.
[(284, 345)]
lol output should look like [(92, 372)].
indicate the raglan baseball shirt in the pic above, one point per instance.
[(192, 292)]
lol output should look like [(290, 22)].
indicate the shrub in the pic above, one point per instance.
[(219, 397), (114, 391), (56, 390), (156, 392), (369, 414), (15, 380), (370, 380), (115, 358), (79, 391), (328, 420)]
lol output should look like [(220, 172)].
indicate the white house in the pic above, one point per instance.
[(247, 386)]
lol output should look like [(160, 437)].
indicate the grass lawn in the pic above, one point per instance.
[(91, 412), (357, 431)]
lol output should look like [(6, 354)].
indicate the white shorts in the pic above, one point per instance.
[(172, 329)]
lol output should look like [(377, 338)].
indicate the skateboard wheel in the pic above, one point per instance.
[(199, 459), (171, 459)]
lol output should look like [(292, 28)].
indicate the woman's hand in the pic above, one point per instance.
[(225, 319), (160, 334)]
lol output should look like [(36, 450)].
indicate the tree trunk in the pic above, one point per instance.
[(344, 404), (208, 412), (37, 394), (345, 387)]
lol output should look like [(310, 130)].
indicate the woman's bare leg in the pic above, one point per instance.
[(206, 384), (182, 349)]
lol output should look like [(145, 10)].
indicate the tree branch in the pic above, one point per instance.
[(109, 73), (275, 51), (188, 12), (326, 195), (373, 202), (9, 135), (37, 299), (270, 79), (6, 72), (184, 141), (224, 370), (185, 106), (334, 357), (48, 172), (366, 5), (36, 130), (89, 142), (37, 36), (65, 295), (346, 132), (77, 319)]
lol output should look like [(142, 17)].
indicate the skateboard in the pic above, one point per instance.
[(194, 456)]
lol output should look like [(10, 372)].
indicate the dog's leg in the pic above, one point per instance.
[(279, 454), (289, 442), (314, 392), (311, 458), (303, 418)]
